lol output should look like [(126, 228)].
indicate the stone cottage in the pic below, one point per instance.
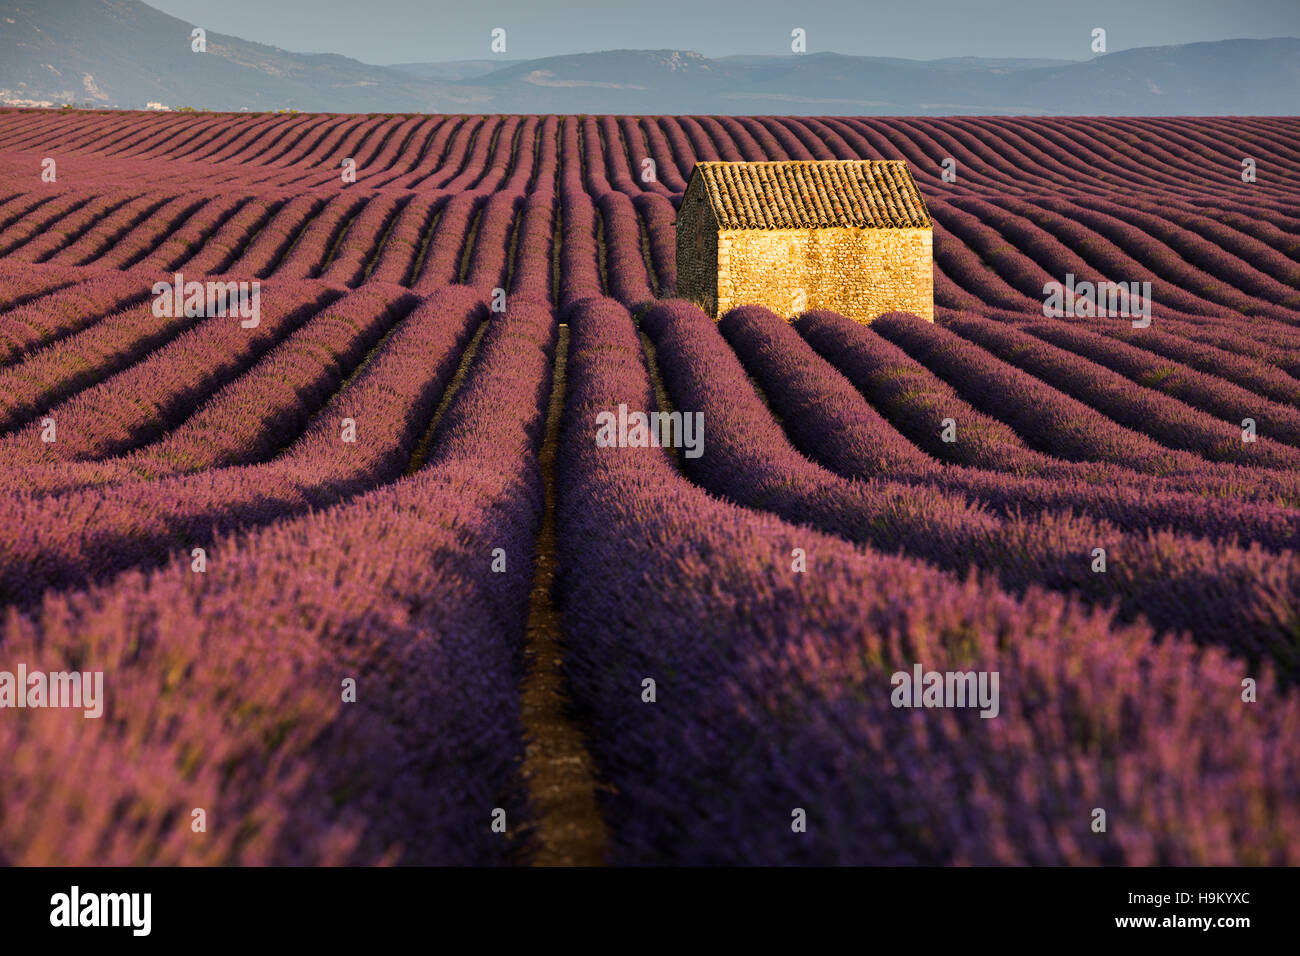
[(853, 236)]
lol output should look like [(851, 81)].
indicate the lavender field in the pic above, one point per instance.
[(365, 586)]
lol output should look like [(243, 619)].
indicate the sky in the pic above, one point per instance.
[(404, 31)]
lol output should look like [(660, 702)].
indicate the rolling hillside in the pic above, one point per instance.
[(124, 53)]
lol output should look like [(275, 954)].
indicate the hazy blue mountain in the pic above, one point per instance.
[(127, 54), (452, 69), (124, 53)]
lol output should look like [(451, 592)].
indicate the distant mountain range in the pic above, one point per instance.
[(126, 54)]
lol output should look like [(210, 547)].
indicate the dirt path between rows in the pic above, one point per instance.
[(559, 770)]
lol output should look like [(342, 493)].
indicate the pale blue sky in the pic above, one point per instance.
[(395, 31)]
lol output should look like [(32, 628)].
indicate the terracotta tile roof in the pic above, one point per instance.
[(869, 193)]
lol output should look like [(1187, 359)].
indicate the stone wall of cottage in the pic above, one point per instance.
[(697, 249), (860, 273)]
